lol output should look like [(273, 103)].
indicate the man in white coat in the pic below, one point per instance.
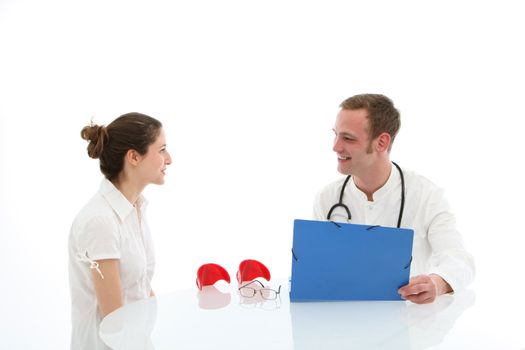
[(377, 191)]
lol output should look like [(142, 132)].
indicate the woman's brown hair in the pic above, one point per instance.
[(111, 143)]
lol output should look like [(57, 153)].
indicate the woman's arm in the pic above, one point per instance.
[(108, 289)]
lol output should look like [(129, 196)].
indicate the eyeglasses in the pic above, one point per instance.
[(266, 293)]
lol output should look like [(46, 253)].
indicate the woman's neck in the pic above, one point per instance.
[(128, 188)]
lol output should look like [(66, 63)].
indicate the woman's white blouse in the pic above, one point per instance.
[(108, 227)]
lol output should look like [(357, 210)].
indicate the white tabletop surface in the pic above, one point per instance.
[(219, 318)]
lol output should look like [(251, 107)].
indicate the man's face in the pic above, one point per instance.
[(352, 142)]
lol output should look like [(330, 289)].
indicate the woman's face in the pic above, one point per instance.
[(152, 167)]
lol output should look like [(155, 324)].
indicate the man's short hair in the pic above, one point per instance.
[(382, 115)]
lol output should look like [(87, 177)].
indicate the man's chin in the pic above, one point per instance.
[(344, 171)]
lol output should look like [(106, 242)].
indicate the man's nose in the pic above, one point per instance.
[(337, 145)]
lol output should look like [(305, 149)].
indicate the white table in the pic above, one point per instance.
[(219, 318)]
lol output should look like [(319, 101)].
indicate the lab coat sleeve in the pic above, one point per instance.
[(448, 259), (319, 212)]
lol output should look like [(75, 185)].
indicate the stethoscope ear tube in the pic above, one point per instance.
[(402, 207)]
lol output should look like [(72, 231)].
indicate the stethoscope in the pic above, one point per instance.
[(342, 205)]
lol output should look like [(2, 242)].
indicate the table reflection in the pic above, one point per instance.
[(429, 324), (376, 324), (222, 319), (130, 327), (211, 298), (354, 324)]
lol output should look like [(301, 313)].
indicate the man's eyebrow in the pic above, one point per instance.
[(347, 134)]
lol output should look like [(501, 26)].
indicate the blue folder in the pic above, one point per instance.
[(338, 261)]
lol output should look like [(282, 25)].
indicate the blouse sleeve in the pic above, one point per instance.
[(100, 239)]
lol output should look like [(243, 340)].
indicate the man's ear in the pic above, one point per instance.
[(133, 157), (383, 142)]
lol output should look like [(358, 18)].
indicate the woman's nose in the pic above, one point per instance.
[(168, 158)]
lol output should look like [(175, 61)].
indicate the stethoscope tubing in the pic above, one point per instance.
[(345, 207)]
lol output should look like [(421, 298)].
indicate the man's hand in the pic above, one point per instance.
[(424, 289)]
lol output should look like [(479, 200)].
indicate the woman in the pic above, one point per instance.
[(111, 258)]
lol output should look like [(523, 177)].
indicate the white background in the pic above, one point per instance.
[(248, 92)]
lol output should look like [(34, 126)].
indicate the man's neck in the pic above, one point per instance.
[(375, 178)]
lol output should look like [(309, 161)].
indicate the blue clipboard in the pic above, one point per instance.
[(338, 261)]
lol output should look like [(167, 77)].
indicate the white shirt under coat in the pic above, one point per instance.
[(108, 227), (438, 246)]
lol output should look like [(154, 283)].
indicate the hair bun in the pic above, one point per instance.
[(97, 136)]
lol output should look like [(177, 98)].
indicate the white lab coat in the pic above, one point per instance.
[(438, 246)]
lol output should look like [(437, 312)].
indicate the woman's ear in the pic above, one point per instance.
[(133, 157)]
